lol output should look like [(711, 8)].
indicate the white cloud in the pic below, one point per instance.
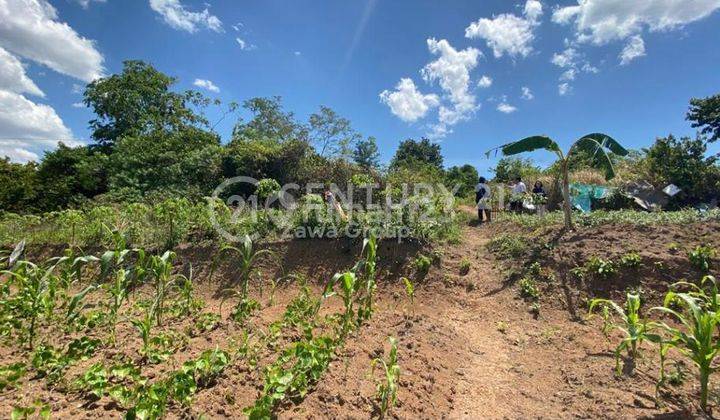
[(16, 151), (566, 58), (236, 27), (13, 77), (635, 48), (527, 94), (564, 89), (507, 33), (407, 103), (206, 84), (178, 17), (506, 108), (245, 46), (602, 21), (485, 82), (452, 72), (27, 128), (297, 53), (86, 3), (573, 62), (78, 105), (569, 74), (29, 28)]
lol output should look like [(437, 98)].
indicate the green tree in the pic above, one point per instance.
[(683, 163), (69, 176), (332, 135), (18, 185), (269, 122), (411, 152), (366, 153), (597, 144), (137, 102), (465, 176), (185, 162), (705, 115), (509, 168)]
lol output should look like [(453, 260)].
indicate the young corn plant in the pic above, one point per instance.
[(701, 257), (144, 326), (188, 304), (346, 283), (119, 290), (248, 257), (410, 292), (633, 326), (696, 337), (387, 389), (161, 268), (368, 266)]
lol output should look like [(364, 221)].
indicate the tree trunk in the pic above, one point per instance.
[(566, 195)]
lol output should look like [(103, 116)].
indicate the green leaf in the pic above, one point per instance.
[(607, 142), (530, 144)]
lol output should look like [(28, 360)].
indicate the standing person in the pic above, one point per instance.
[(518, 191), (539, 197), (333, 205), (482, 198)]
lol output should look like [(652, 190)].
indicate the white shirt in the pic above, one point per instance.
[(519, 188), (482, 186)]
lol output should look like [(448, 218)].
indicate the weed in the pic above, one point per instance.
[(529, 289), (464, 266), (630, 260), (600, 267), (701, 257), (422, 265), (509, 246)]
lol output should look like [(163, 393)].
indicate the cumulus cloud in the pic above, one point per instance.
[(485, 82), (177, 16), (407, 102), (27, 128), (506, 108), (635, 48), (452, 72), (206, 84), (13, 77), (508, 33), (602, 21), (29, 28), (527, 93)]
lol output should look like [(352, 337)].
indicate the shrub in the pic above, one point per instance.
[(509, 246)]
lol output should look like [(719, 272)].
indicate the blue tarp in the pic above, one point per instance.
[(581, 195)]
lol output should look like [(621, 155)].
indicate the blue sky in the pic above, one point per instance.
[(396, 68)]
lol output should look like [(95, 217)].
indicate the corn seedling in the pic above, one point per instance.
[(161, 269), (346, 283), (248, 257), (144, 326), (368, 266), (696, 338), (119, 290), (387, 389), (410, 291), (635, 329)]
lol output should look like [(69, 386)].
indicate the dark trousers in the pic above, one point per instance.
[(486, 213)]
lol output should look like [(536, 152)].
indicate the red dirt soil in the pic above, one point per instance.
[(467, 348)]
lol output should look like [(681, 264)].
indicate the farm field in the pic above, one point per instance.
[(467, 343)]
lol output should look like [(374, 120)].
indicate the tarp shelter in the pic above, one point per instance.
[(581, 195)]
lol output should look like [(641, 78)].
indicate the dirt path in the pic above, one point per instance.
[(480, 320)]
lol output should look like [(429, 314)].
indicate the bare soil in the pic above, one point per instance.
[(469, 347)]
